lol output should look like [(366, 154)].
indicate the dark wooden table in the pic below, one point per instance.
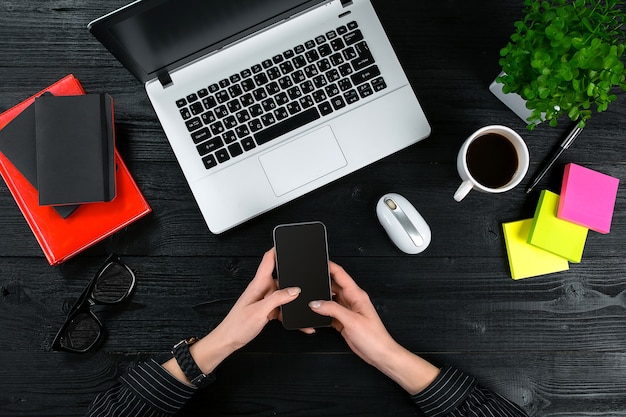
[(554, 344)]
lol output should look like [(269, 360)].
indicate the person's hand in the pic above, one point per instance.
[(257, 306), (355, 317)]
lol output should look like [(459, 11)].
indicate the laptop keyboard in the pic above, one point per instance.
[(250, 108)]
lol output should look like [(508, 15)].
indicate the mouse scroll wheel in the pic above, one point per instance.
[(391, 204)]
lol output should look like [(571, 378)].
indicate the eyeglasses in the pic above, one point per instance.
[(82, 329)]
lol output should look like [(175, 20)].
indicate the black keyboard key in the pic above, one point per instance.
[(208, 117), (312, 56), (229, 137), (209, 161), (222, 155), (234, 106), (324, 65), (285, 82), (256, 110), (338, 102), (242, 131), (379, 84), (235, 149), (365, 90), (351, 96), (268, 104), (235, 90), (298, 77), (337, 44), (230, 122), (235, 78), (333, 75), (364, 57), (185, 113), (209, 146), (272, 88), (201, 135), (193, 124), (221, 111), (353, 25), (192, 97), (248, 84), (209, 102), (332, 90), (196, 108), (365, 75), (336, 59), (286, 126), (246, 100), (268, 119), (344, 84), (203, 92), (273, 73), (257, 68), (299, 61), (217, 128), (294, 93), (281, 98), (319, 96), (260, 79), (294, 107), (224, 83), (277, 59), (286, 67), (255, 125), (243, 116), (299, 49), (181, 103), (325, 50), (306, 102), (345, 70), (353, 37), (309, 44), (288, 54), (281, 113), (248, 144), (342, 30), (259, 94), (213, 88), (325, 108), (245, 73), (320, 39), (222, 96), (307, 87), (267, 63), (331, 35)]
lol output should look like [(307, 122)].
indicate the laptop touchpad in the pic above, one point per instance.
[(303, 160)]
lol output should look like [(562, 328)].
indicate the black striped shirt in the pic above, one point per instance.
[(149, 390)]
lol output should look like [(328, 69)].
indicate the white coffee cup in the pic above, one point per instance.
[(493, 166)]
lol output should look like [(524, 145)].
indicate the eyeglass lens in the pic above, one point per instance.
[(81, 333), (113, 284)]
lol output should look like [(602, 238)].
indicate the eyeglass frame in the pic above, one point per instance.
[(86, 301)]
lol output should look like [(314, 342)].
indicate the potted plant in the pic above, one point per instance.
[(565, 58)]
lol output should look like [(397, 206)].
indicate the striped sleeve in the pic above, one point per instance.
[(454, 393), (146, 390)]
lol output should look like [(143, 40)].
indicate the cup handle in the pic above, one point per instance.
[(463, 190)]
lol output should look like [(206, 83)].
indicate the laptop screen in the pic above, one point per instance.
[(149, 37)]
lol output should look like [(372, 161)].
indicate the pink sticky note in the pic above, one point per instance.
[(588, 198)]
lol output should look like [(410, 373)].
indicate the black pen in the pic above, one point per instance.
[(563, 146)]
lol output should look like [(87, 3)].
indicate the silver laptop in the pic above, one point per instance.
[(263, 101)]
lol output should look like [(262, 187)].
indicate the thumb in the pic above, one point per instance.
[(331, 309), (280, 297)]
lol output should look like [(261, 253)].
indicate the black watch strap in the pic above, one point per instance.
[(188, 365)]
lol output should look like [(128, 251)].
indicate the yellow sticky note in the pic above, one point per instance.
[(555, 235), (526, 260)]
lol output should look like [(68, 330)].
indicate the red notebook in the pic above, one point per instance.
[(59, 238)]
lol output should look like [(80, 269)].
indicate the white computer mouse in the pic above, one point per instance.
[(404, 225)]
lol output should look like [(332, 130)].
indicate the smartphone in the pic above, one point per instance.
[(302, 261)]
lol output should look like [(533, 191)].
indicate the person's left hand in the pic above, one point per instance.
[(257, 306)]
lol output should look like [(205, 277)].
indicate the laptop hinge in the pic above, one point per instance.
[(346, 3), (165, 79)]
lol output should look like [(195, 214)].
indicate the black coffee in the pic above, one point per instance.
[(492, 160)]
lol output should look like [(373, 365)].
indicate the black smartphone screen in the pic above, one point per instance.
[(302, 261)]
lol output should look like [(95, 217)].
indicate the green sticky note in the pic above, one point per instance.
[(526, 260), (555, 235)]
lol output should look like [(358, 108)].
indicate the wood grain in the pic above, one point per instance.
[(553, 344)]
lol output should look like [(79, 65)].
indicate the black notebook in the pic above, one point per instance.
[(18, 144), (75, 149)]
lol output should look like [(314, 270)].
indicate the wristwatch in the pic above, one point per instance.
[(188, 364)]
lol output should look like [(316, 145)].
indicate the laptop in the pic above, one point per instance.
[(263, 101)]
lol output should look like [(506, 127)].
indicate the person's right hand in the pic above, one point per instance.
[(355, 317)]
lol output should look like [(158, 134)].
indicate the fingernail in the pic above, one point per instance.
[(315, 304), (293, 290)]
